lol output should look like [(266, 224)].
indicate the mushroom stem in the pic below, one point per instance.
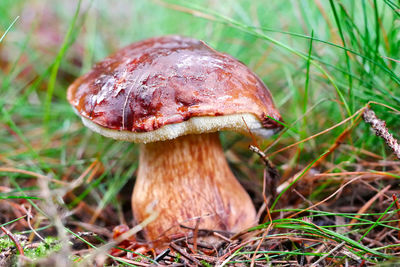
[(185, 180)]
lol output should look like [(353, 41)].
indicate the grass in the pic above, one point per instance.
[(324, 61)]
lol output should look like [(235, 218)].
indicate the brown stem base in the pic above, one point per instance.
[(185, 180)]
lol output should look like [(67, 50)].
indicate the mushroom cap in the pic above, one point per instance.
[(165, 87)]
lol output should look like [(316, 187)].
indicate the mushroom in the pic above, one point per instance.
[(173, 94)]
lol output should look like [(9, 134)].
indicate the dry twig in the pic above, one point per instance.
[(380, 129), (184, 253)]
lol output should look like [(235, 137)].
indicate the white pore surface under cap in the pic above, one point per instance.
[(236, 122)]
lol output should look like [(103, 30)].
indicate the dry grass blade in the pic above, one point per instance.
[(339, 246), (350, 118), (14, 239), (367, 205), (327, 198), (30, 173)]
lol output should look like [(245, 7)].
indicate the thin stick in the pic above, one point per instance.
[(380, 129), (222, 237), (15, 240), (328, 254), (28, 217), (265, 160), (273, 174), (162, 255), (195, 234), (184, 253)]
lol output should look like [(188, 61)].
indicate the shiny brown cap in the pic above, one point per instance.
[(165, 81)]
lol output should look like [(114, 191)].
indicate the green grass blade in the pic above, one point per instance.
[(295, 180), (8, 29), (54, 70), (338, 23)]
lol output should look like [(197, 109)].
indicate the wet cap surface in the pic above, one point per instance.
[(168, 80)]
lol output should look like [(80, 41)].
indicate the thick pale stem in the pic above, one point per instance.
[(185, 180)]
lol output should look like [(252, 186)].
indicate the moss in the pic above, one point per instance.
[(39, 250), (43, 249), (6, 243)]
